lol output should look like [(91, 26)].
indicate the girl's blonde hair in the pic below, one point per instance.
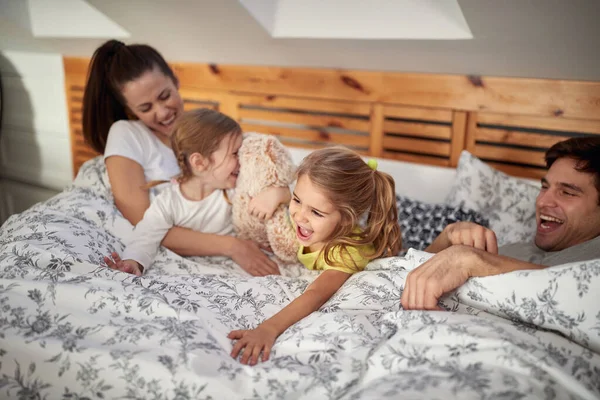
[(355, 189), (199, 131)]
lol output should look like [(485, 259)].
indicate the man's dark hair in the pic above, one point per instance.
[(585, 150)]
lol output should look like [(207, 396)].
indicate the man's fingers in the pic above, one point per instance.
[(430, 301), (491, 242), (479, 241), (405, 294), (466, 238), (412, 295)]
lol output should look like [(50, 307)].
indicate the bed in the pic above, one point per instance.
[(72, 329)]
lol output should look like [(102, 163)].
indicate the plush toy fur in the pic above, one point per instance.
[(264, 162)]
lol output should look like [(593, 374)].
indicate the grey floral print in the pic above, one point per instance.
[(72, 329)]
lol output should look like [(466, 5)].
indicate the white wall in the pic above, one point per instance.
[(35, 157), (524, 38)]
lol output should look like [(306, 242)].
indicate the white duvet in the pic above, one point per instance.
[(70, 329)]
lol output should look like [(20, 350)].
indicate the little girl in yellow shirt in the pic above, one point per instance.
[(334, 189)]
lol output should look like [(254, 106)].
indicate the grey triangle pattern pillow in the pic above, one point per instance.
[(422, 222)]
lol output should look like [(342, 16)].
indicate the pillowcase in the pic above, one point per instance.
[(508, 202), (422, 222)]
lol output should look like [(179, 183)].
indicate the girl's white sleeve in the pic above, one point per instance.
[(150, 231)]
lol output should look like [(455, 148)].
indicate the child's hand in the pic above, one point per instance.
[(129, 266), (264, 204), (253, 342)]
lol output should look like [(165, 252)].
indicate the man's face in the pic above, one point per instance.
[(567, 209)]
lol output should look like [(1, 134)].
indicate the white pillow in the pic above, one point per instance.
[(507, 202)]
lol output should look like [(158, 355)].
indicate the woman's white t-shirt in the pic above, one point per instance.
[(133, 140)]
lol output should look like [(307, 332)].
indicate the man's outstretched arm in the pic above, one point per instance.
[(467, 233), (449, 269)]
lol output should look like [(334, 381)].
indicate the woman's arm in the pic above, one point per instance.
[(262, 338), (127, 182)]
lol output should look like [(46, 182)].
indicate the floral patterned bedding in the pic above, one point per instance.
[(70, 329)]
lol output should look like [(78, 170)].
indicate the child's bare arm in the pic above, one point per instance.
[(262, 338), (264, 204)]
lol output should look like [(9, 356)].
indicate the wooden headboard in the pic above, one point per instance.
[(422, 118)]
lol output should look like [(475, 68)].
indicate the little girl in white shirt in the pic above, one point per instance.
[(206, 143)]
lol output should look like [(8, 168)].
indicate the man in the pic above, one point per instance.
[(568, 230)]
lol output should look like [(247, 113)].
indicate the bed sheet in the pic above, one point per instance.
[(72, 329)]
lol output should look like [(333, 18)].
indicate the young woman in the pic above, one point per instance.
[(130, 106)]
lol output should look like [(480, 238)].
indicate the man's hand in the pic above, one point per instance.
[(465, 233), (441, 274)]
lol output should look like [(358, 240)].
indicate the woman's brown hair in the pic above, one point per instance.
[(112, 66), (355, 189)]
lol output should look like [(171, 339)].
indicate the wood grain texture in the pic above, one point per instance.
[(422, 118)]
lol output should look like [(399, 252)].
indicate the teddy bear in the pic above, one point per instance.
[(264, 162)]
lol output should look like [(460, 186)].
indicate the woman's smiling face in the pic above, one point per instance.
[(154, 99)]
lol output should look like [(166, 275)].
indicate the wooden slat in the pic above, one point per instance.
[(518, 138), (418, 113), (416, 158), (524, 172), (229, 105), (192, 106), (524, 96), (416, 145), (315, 146), (551, 124), (498, 153), (297, 103), (537, 97), (376, 131), (542, 123), (471, 135), (459, 131), (305, 119), (76, 115), (417, 129), (556, 105), (309, 135)]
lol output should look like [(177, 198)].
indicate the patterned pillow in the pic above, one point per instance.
[(508, 202), (422, 222)]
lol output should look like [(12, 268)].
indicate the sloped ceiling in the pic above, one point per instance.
[(528, 38), (360, 19), (59, 19)]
